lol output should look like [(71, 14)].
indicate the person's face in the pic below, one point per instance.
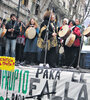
[(13, 18), (3, 26), (0, 21), (64, 22), (77, 22), (52, 17), (32, 21), (71, 24), (89, 25)]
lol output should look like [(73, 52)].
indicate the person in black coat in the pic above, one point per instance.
[(11, 35), (52, 39)]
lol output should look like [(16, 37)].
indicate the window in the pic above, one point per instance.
[(25, 2), (63, 3), (37, 10)]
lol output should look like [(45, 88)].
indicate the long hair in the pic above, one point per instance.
[(73, 22), (36, 24), (47, 14)]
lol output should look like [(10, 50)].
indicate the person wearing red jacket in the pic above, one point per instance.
[(72, 53)]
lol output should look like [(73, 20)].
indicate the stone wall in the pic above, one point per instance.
[(8, 7)]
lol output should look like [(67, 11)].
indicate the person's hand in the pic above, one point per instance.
[(3, 27), (61, 42), (35, 26), (12, 30), (9, 30), (81, 35), (72, 28), (54, 34)]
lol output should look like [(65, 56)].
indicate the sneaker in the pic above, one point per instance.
[(23, 63), (18, 62), (71, 67), (41, 65), (45, 66)]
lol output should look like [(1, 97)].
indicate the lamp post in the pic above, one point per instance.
[(18, 9)]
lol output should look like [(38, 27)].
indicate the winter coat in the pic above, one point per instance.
[(77, 32), (14, 25)]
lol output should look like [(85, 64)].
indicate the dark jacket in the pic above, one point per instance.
[(44, 29), (50, 28), (14, 25)]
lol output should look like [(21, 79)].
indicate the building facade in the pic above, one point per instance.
[(11, 6), (70, 9)]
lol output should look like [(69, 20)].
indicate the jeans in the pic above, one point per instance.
[(12, 44)]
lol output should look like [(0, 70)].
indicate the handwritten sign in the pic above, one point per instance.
[(7, 63)]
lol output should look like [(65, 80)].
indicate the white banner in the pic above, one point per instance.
[(47, 84)]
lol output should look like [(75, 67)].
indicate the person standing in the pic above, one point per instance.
[(77, 22), (52, 39), (61, 44), (0, 37), (4, 38), (31, 48), (20, 43), (72, 53), (11, 35)]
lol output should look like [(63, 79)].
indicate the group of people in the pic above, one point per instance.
[(44, 47), (11, 38)]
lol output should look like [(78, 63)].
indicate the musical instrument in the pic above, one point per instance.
[(30, 33), (61, 50), (64, 32), (70, 40), (87, 32), (13, 28), (2, 32), (41, 43)]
